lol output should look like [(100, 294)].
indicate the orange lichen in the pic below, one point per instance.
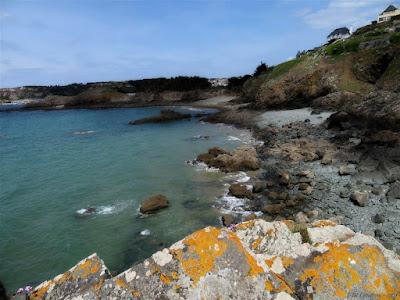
[(136, 294), (38, 294), (256, 243), (88, 267), (286, 261), (335, 271), (270, 261), (282, 284), (323, 223), (175, 275), (204, 247), (245, 225), (165, 279), (121, 283), (270, 232), (269, 286)]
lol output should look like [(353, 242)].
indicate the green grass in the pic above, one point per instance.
[(284, 68), (340, 47)]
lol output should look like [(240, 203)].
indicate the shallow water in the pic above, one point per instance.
[(56, 163)]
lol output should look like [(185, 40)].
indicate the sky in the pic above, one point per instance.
[(48, 42)]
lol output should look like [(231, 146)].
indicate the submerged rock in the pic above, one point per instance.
[(255, 260), (154, 204), (165, 115)]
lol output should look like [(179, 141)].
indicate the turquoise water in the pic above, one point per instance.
[(54, 163)]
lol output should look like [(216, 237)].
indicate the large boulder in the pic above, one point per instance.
[(256, 260), (243, 158), (240, 191), (153, 204)]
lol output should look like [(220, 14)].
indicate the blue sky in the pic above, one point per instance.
[(65, 41)]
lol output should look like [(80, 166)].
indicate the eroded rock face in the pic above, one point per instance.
[(254, 260), (165, 115)]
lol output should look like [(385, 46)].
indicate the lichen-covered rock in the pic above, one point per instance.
[(258, 260), (87, 277)]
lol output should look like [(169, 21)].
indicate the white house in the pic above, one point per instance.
[(339, 33), (390, 12)]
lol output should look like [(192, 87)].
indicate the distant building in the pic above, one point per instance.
[(390, 12), (217, 82), (339, 33)]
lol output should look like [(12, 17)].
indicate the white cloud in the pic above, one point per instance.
[(350, 13)]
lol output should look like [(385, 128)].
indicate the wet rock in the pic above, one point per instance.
[(303, 186), (378, 218), (347, 170), (259, 186), (360, 198), (165, 115), (308, 190), (153, 204), (250, 217), (327, 158), (205, 158), (227, 220), (240, 191)]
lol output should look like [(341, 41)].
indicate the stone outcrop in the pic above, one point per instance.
[(243, 158), (165, 116), (153, 204), (252, 260)]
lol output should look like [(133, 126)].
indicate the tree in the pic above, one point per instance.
[(261, 68)]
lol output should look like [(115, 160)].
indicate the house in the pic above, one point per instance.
[(339, 33), (390, 12)]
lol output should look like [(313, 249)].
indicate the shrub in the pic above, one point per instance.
[(395, 38), (335, 48), (261, 68)]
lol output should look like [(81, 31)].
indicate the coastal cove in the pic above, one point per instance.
[(56, 163)]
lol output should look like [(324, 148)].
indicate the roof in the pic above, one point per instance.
[(389, 9), (339, 31)]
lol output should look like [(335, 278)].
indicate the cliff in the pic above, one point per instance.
[(333, 75), (252, 260)]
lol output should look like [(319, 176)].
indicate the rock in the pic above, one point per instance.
[(283, 196), (243, 158), (215, 151), (240, 191), (83, 278), (165, 115), (344, 193), (303, 186), (273, 208), (272, 195), (378, 233), (360, 198), (154, 204), (347, 170), (250, 217), (378, 218), (254, 260), (301, 217), (205, 158), (327, 158), (227, 220), (312, 213), (308, 191), (259, 186), (284, 177), (306, 173), (383, 137), (394, 191)]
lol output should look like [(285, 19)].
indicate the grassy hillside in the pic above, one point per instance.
[(369, 60)]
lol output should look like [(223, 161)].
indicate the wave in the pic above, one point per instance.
[(84, 132), (104, 209), (200, 166)]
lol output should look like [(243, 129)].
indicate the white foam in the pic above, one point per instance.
[(233, 138), (239, 177), (200, 166), (105, 210), (145, 232), (85, 132)]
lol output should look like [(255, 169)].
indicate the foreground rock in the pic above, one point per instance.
[(153, 204), (243, 158), (165, 115), (255, 260)]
